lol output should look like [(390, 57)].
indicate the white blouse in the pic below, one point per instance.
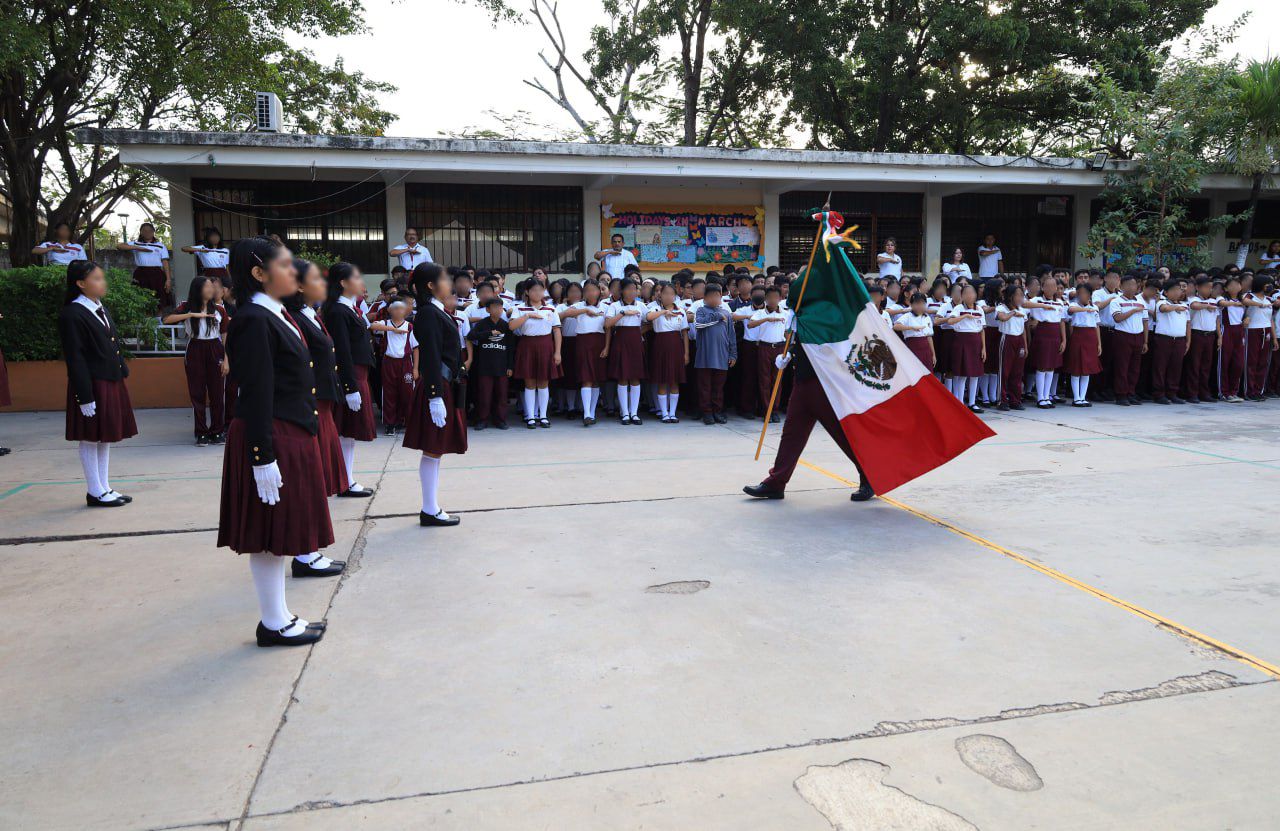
[(540, 322)]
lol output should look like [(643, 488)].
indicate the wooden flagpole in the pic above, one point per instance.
[(786, 347)]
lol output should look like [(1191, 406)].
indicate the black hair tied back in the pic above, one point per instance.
[(247, 254)]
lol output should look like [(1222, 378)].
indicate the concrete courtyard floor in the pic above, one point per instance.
[(616, 638)]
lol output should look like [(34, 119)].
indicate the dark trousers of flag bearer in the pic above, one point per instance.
[(491, 398), (1013, 364), (203, 365), (1128, 362), (1167, 352), (1199, 365), (1231, 359), (807, 406), (766, 355), (1257, 360), (397, 389)]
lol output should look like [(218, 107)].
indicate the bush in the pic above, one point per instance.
[(31, 297)]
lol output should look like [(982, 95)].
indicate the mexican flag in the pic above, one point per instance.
[(900, 420)]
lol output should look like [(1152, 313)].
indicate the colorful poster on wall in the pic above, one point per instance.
[(671, 237)]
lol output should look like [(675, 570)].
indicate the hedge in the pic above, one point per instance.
[(30, 299)]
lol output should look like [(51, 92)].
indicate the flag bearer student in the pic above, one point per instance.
[(538, 355), (717, 353), (591, 345), (1260, 340), (916, 329), (1129, 311), (1084, 344), (301, 309), (205, 363), (770, 326), (1171, 338), (98, 409), (625, 349), (1205, 338), (747, 367), (151, 263), (1231, 341), (436, 426), (273, 487), (1013, 346), (397, 365), (211, 254), (968, 347), (669, 354), (353, 348), (495, 358)]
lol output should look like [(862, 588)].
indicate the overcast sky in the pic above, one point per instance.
[(451, 64)]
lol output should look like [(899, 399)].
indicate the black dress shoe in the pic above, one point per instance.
[(1163, 400), (319, 625), (707, 418), (202, 441), (4, 451), (1173, 399), (481, 425), (427, 520), (862, 494), (218, 438), (721, 418), (761, 492), (501, 425), (94, 502), (356, 493), (543, 422), (126, 498), (273, 637), (334, 568)]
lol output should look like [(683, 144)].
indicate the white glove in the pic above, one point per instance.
[(353, 402), (437, 411), (89, 410), (267, 478), (782, 360)]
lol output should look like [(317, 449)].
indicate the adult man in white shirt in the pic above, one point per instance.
[(990, 260), (412, 253), (616, 259)]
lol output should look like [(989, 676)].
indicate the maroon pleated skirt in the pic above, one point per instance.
[(920, 348), (535, 358), (591, 367), (966, 354), (215, 272), (297, 524), (152, 277), (5, 398), (353, 424), (421, 433), (666, 359), (1082, 352), (626, 354), (942, 343), (991, 366), (335, 469), (1046, 341), (113, 420), (569, 360)]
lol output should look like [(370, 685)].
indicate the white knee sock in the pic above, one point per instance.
[(1044, 386), (429, 476), (624, 400), (1084, 387), (973, 389), (268, 581), (595, 400), (1053, 384), (89, 461), (673, 401), (530, 403), (635, 400), (104, 466), (956, 385), (588, 404), (662, 405), (543, 396), (349, 458)]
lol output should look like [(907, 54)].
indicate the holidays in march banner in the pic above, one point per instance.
[(669, 237)]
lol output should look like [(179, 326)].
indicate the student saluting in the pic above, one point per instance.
[(62, 250)]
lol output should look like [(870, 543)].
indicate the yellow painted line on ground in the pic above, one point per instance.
[(1186, 631)]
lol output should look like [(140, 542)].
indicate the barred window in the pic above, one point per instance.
[(877, 215), (1031, 229), (346, 219), (511, 227)]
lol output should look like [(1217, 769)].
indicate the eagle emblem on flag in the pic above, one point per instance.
[(872, 363)]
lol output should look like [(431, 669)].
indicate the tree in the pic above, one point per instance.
[(1255, 134), (956, 76), (66, 64)]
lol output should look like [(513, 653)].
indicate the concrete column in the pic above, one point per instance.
[(182, 216), (1080, 230), (591, 225), (772, 248), (397, 217), (931, 258)]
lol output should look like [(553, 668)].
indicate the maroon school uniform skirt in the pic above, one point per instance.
[(666, 359), (568, 360), (5, 398), (626, 354), (1082, 352), (920, 348), (335, 469), (991, 366), (1046, 341), (352, 424), (212, 273), (113, 420), (535, 358), (591, 367), (966, 354), (152, 277), (299, 522), (421, 433)]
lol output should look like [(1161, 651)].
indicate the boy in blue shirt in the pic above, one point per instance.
[(717, 352)]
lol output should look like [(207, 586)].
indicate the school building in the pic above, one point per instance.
[(518, 205)]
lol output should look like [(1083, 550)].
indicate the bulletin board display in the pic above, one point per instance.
[(672, 237)]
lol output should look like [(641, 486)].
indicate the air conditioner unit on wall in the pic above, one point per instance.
[(267, 112)]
